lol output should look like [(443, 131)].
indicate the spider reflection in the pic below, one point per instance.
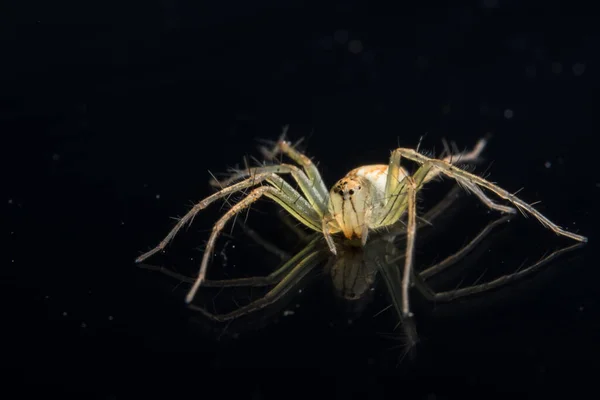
[(355, 270)]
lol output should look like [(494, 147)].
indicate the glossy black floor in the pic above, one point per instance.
[(112, 115)]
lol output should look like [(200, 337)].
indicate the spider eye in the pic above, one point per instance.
[(351, 192), (341, 192)]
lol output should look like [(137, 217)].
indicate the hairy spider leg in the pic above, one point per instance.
[(464, 177), (305, 213), (283, 146), (317, 201), (299, 207)]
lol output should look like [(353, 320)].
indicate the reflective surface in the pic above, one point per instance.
[(113, 118)]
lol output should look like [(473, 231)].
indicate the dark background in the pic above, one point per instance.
[(112, 113)]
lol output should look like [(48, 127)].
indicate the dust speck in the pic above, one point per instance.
[(547, 164)]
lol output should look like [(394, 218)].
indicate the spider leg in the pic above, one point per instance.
[(283, 146), (411, 233), (288, 282), (307, 187), (465, 177), (396, 173), (463, 157), (476, 190), (285, 188), (304, 213), (200, 206), (399, 229), (328, 229)]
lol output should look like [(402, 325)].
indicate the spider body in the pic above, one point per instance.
[(355, 200), (366, 199)]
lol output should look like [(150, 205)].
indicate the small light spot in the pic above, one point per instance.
[(578, 69), (145, 185), (287, 313), (300, 291), (110, 318), (350, 321), (297, 305), (598, 185), (547, 164), (122, 222), (355, 46), (557, 68), (46, 297), (341, 36), (580, 308), (508, 113), (10, 201), (12, 261), (64, 314), (157, 196), (83, 325)]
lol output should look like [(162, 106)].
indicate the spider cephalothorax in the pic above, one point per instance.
[(367, 198)]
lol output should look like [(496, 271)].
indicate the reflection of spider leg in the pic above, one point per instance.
[(453, 258), (314, 197), (255, 281), (298, 207), (289, 281), (168, 272), (262, 242), (465, 177), (493, 284), (303, 211)]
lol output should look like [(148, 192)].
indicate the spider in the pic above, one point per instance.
[(367, 199)]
